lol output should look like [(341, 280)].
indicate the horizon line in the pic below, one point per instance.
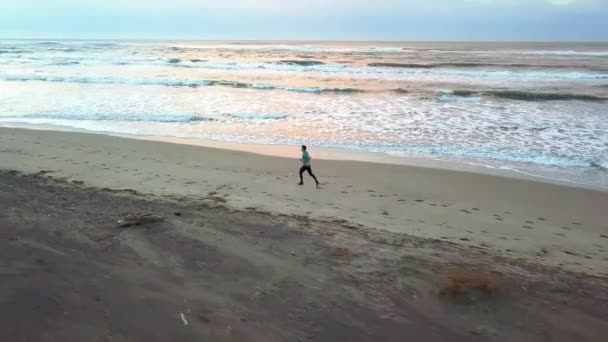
[(315, 40)]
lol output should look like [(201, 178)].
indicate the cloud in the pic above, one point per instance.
[(282, 7), (310, 19)]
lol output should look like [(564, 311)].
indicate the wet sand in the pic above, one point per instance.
[(72, 272)]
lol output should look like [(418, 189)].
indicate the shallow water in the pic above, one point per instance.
[(533, 108)]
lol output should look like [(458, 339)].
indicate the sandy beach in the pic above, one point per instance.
[(241, 252), (550, 224), (152, 154)]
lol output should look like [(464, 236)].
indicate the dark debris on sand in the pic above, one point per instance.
[(140, 219)]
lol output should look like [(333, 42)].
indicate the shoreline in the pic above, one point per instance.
[(332, 154), (554, 225)]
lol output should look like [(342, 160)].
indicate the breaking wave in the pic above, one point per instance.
[(179, 83), (531, 96), (259, 116), (140, 117), (143, 117), (518, 95), (300, 63), (515, 95), (479, 65)]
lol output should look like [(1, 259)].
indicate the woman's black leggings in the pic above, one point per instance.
[(309, 169)]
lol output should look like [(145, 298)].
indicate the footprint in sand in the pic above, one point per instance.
[(527, 227), (419, 200), (541, 218)]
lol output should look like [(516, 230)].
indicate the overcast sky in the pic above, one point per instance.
[(514, 20)]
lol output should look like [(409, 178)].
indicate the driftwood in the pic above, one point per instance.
[(139, 219)]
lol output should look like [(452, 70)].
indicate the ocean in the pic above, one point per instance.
[(535, 108)]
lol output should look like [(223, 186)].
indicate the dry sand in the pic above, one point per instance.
[(550, 224), (71, 272)]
